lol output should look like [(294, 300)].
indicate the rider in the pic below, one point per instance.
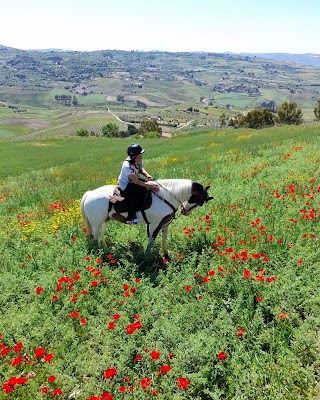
[(131, 186)]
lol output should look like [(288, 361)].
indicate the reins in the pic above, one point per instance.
[(167, 202)]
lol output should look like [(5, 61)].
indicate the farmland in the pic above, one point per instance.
[(233, 314), (60, 89)]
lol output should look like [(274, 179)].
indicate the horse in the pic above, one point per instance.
[(98, 209)]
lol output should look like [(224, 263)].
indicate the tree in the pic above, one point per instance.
[(120, 98), (289, 114), (110, 130), (223, 120), (316, 111), (74, 101), (255, 119), (141, 104), (132, 130), (150, 125), (82, 132)]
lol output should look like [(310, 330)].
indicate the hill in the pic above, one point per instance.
[(46, 85)]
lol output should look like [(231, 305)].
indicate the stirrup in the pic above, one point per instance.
[(132, 221)]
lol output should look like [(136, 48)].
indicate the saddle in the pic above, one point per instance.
[(120, 203)]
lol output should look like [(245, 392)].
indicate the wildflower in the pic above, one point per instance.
[(16, 361), (165, 368), (44, 389), (247, 274), (57, 392), (187, 288), (283, 315), (106, 396), (110, 373), (240, 333), (259, 298), (48, 357), (83, 321), (155, 355), (116, 316), (39, 352), (99, 260), (122, 389), (39, 289), (145, 383), (17, 348), (52, 378), (222, 355), (111, 325), (138, 357), (183, 383), (74, 314)]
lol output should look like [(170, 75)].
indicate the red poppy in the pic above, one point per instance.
[(39, 352), (247, 274), (155, 355), (111, 325), (165, 368), (52, 378), (74, 314), (17, 348), (187, 288), (145, 383), (222, 355), (259, 298), (57, 392), (16, 361), (83, 321), (106, 396), (240, 333), (110, 373), (183, 383), (48, 357), (39, 289)]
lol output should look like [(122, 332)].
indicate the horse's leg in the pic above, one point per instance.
[(152, 231), (102, 232), (164, 241)]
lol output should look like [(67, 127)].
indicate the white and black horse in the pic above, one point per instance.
[(97, 209)]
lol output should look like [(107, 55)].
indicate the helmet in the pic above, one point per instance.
[(134, 150)]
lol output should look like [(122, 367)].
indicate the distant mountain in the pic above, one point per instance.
[(48, 50), (306, 59)]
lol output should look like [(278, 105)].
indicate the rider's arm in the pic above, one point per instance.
[(146, 174), (151, 185)]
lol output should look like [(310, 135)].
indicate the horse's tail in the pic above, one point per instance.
[(86, 221)]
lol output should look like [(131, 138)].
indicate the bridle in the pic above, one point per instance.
[(183, 205)]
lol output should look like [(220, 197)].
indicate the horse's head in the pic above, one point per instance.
[(199, 196)]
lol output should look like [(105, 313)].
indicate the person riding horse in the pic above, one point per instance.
[(132, 187)]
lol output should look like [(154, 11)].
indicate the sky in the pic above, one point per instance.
[(248, 26)]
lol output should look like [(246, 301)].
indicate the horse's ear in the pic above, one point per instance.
[(207, 188), (210, 198)]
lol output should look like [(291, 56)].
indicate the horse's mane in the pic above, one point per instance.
[(181, 188)]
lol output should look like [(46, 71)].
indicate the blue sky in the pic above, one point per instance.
[(280, 26)]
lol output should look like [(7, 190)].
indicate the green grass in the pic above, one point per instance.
[(235, 311)]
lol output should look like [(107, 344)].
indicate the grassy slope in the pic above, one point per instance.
[(246, 169)]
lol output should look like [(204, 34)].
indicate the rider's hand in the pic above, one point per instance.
[(153, 186)]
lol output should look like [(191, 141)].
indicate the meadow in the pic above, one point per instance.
[(233, 314)]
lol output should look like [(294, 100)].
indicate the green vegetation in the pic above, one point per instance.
[(233, 315)]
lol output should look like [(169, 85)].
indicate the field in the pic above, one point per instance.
[(232, 314)]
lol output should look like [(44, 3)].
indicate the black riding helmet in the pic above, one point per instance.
[(134, 150)]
